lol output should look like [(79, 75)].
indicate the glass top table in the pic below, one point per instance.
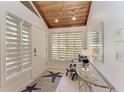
[(91, 78)]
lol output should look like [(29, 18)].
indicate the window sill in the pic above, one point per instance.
[(18, 75)]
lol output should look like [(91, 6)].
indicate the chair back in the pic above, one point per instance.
[(80, 58)]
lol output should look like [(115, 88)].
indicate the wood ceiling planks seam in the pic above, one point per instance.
[(63, 11)]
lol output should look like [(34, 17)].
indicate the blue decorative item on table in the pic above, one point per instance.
[(81, 57), (84, 60)]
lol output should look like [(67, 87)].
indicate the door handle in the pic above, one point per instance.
[(35, 52)]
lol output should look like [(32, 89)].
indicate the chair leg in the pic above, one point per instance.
[(73, 76), (67, 72)]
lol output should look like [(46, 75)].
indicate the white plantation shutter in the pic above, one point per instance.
[(13, 50), (26, 45), (67, 46), (79, 42), (62, 46), (97, 44), (70, 46), (89, 40), (18, 42), (54, 46)]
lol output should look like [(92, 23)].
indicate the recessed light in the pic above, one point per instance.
[(56, 20), (73, 18)]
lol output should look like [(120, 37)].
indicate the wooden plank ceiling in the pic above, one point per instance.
[(29, 6), (63, 12)]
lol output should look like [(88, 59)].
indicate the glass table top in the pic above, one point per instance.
[(91, 76)]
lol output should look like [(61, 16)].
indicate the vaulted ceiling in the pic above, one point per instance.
[(29, 6), (63, 13)]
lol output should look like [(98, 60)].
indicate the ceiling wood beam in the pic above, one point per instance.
[(67, 23), (65, 17), (69, 19), (36, 6), (47, 3), (56, 8), (88, 13), (66, 14)]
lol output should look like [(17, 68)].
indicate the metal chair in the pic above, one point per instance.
[(72, 70)]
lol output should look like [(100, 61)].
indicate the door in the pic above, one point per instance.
[(44, 49), (38, 46)]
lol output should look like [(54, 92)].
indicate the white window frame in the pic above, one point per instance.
[(3, 78), (98, 29), (83, 46)]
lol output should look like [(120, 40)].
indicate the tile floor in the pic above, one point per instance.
[(67, 85), (63, 84), (45, 83)]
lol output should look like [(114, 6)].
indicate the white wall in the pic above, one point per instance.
[(67, 29), (20, 81), (112, 15), (39, 61), (55, 63)]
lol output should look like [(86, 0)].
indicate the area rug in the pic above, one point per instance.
[(53, 75), (48, 82)]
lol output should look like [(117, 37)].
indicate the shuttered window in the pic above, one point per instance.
[(54, 46), (18, 41), (79, 42), (97, 44), (13, 45), (62, 46), (66, 46), (26, 45), (70, 46)]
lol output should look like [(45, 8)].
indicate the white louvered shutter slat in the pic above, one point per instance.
[(79, 39), (97, 44), (13, 50), (54, 46), (26, 45), (67, 45), (18, 45), (70, 46), (62, 46)]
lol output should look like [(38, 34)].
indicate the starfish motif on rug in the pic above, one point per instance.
[(53, 75), (31, 88)]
